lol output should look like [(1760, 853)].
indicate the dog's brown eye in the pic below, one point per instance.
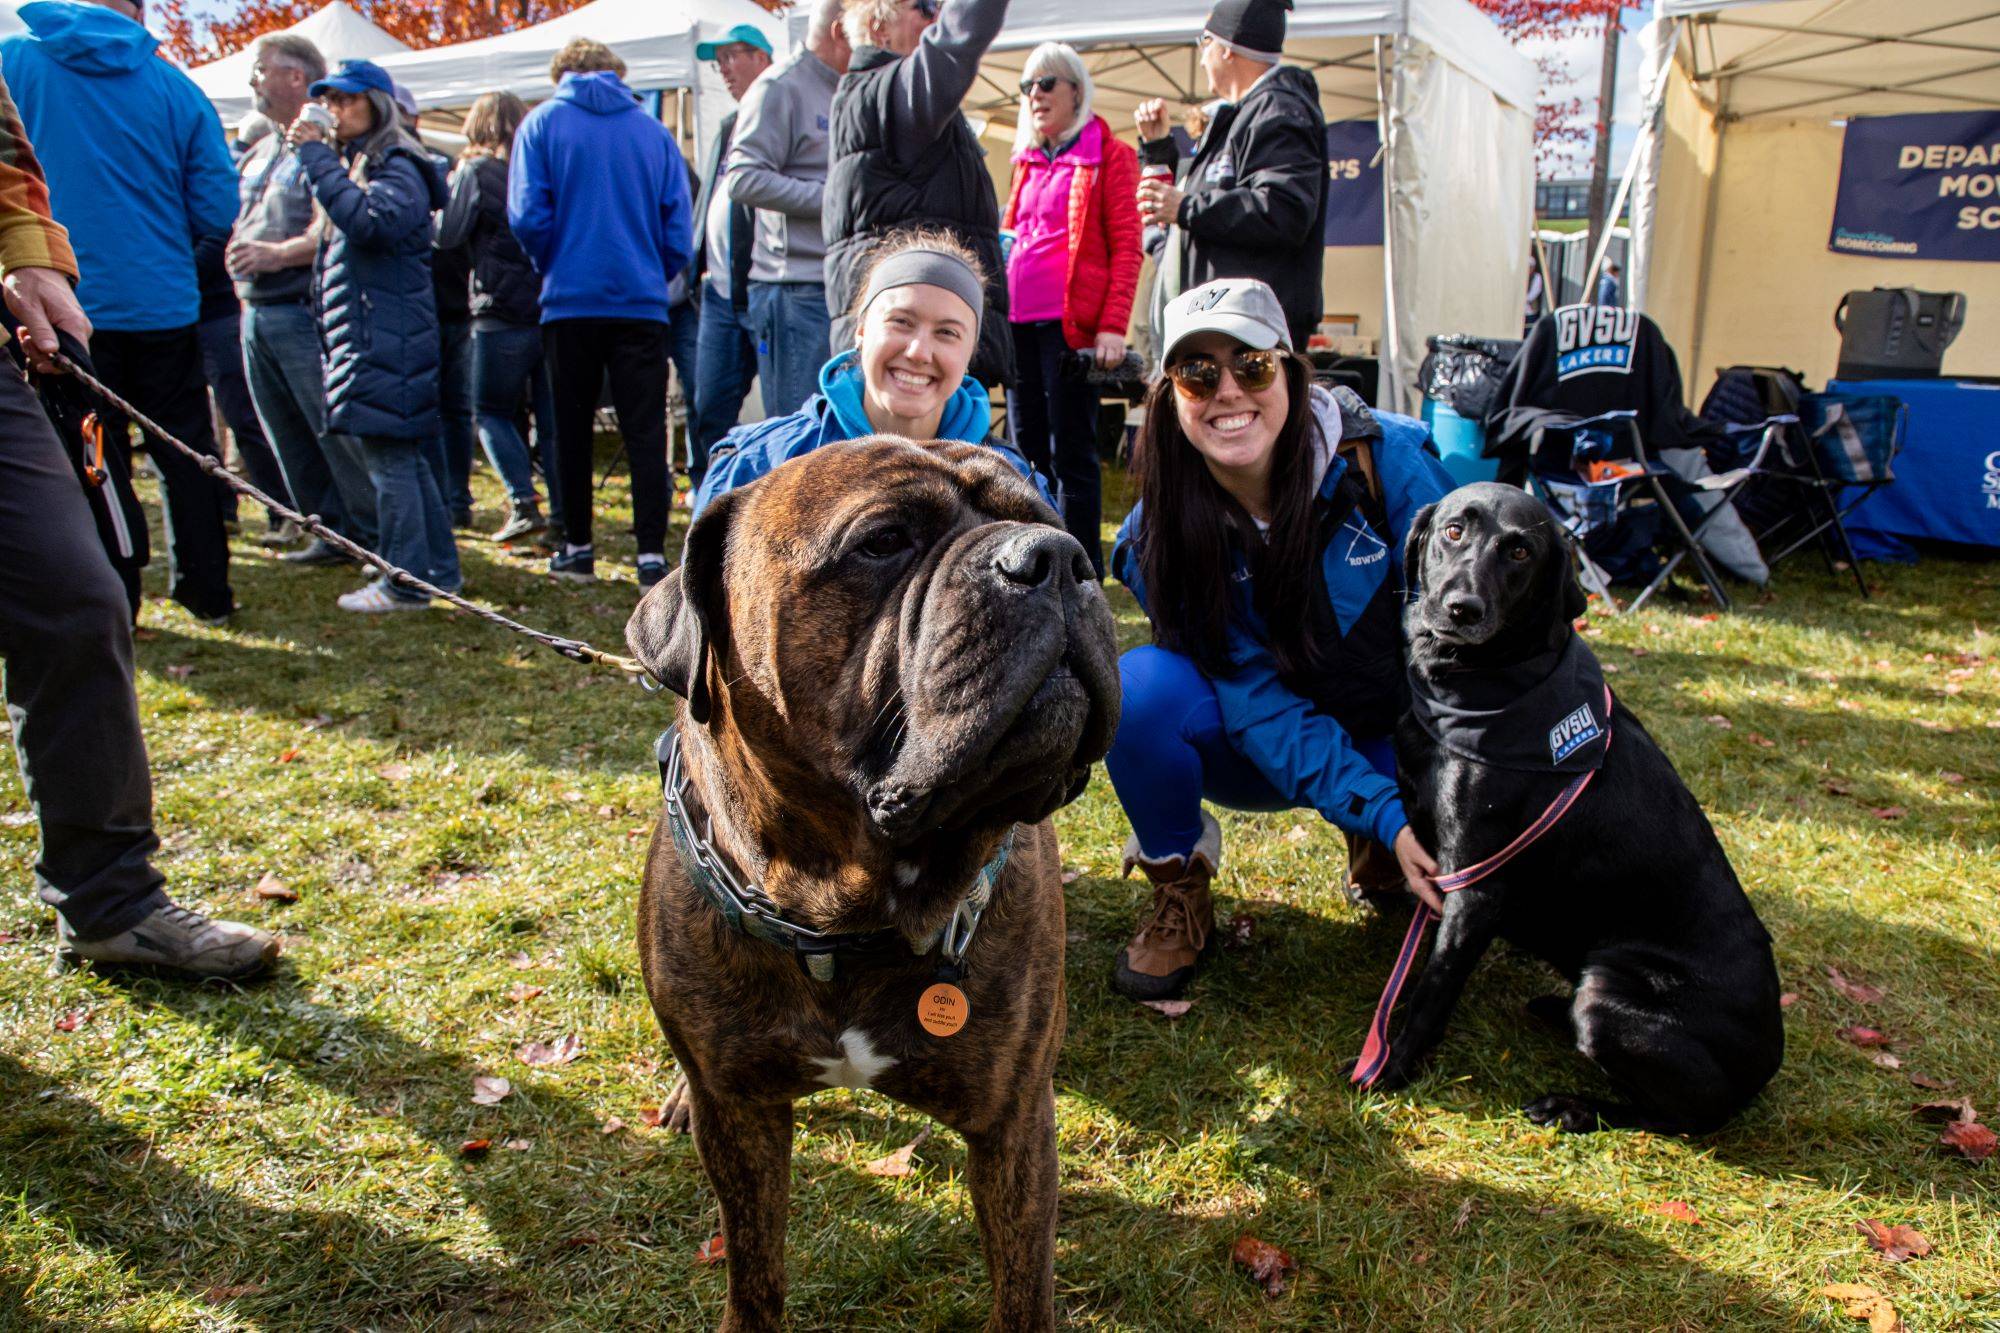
[(1518, 554), (885, 542), (1453, 531)]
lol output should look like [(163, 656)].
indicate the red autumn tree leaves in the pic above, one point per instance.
[(421, 23), (1556, 121)]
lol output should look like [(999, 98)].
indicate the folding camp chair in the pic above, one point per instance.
[(1596, 477)]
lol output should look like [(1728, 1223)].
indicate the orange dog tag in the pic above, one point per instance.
[(942, 1009)]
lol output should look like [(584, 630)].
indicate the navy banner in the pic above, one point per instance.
[(1920, 187), (1354, 183)]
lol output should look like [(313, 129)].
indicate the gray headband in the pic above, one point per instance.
[(929, 268)]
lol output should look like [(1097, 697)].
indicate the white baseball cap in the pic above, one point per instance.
[(1241, 308)]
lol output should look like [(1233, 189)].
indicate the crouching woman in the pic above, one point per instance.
[(1265, 549)]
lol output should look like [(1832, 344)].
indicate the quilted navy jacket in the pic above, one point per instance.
[(377, 313)]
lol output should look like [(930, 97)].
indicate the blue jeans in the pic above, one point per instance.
[(1172, 752), (684, 350), (506, 368), (222, 366), (726, 359), (449, 452), (790, 323), (281, 362), (416, 529)]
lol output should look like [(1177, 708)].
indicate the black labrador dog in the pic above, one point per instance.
[(1629, 894)]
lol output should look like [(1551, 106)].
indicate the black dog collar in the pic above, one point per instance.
[(749, 910), (1545, 715)]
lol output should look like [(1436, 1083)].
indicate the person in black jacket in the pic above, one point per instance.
[(900, 155), (378, 319), (506, 305), (1252, 202)]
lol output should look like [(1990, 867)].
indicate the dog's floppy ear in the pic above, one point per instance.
[(1569, 589), (683, 620), (1413, 548)]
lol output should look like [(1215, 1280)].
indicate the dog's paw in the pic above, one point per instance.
[(1563, 1111), (676, 1115)]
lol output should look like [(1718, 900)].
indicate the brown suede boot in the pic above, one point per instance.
[(1160, 961), (1375, 876)]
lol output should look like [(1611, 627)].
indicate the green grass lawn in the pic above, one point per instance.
[(463, 817)]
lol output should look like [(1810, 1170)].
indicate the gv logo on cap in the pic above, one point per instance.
[(1207, 302)]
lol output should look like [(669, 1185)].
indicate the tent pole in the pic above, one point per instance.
[(1388, 389), (1697, 336), (1642, 144)]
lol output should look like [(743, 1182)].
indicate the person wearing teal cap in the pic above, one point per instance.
[(743, 34)]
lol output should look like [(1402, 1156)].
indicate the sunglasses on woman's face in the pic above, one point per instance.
[(928, 8), (1046, 84), (1199, 377)]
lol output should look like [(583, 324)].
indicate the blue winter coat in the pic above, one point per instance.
[(597, 194), (372, 282), (138, 169), (836, 413), (1305, 754)]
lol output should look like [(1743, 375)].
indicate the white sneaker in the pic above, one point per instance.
[(376, 598)]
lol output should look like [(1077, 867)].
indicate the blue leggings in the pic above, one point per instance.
[(1171, 753)]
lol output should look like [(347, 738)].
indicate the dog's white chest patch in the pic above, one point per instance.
[(855, 1063)]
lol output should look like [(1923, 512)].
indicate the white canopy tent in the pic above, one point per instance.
[(338, 31), (1738, 158), (1456, 105)]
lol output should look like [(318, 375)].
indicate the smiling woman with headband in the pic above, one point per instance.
[(1265, 551), (916, 323)]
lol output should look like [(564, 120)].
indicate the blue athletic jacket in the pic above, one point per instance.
[(1304, 753), (836, 413)]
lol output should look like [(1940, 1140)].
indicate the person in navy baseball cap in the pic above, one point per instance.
[(355, 76)]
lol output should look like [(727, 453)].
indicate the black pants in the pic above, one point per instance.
[(159, 372), (66, 640), (633, 352), (1055, 428)]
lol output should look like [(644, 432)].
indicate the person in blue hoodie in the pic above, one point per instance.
[(598, 197), (916, 325), (1265, 550), (139, 172), (378, 320)]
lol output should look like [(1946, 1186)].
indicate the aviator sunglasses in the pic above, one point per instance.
[(1046, 84), (1198, 377)]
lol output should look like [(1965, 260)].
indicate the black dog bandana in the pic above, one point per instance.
[(1544, 715)]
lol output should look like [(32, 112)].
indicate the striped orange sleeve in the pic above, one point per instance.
[(29, 236)]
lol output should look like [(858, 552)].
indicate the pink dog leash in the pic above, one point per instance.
[(1375, 1052)]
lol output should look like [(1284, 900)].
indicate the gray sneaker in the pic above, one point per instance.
[(179, 940)]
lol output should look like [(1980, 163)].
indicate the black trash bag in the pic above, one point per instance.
[(1463, 371)]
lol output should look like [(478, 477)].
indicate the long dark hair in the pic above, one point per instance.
[(1186, 527)]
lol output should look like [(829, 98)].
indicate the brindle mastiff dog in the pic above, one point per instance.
[(896, 667)]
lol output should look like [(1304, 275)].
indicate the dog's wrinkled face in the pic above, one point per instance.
[(898, 629), (1493, 568)]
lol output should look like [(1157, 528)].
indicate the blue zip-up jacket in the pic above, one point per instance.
[(138, 168), (837, 413), (597, 194), (1305, 754), (378, 316)]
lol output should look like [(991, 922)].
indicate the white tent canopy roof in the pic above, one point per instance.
[(338, 31), (655, 39), (1147, 49), (1805, 58)]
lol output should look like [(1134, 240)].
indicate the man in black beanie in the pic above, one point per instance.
[(1252, 201)]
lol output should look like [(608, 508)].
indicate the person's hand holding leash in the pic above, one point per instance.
[(43, 300), (1110, 350), (1419, 870)]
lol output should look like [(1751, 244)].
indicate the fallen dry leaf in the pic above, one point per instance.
[(651, 1116), (1267, 1265), (8, 937), (1718, 720), (1674, 1210), (1071, 875), (1858, 991), (396, 772), (1788, 999), (219, 1295), (518, 1145), (1171, 1008), (1861, 1302), (611, 1126), (521, 992), (73, 1020), (712, 1251), (1864, 1037), (474, 1147), (1894, 1243), (1461, 1217), (291, 756), (1884, 1060), (1835, 787), (1242, 927), (558, 1052), (1958, 1108), (270, 887), (1888, 811), (519, 960), (1973, 1141), (1762, 742), (896, 1163), (1955, 779), (1930, 1084), (1296, 833), (488, 1090), (180, 672)]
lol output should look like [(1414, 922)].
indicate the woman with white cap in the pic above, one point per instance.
[(916, 322), (1265, 551)]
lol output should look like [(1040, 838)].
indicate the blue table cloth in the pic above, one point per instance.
[(1947, 485)]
